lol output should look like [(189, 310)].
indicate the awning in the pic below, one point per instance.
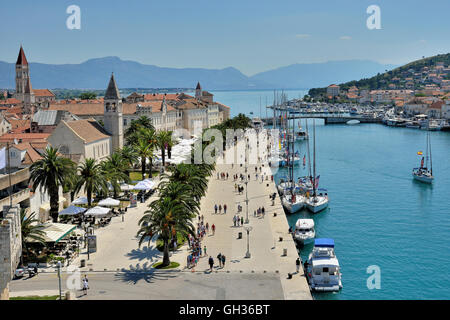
[(109, 202), (97, 211), (54, 232), (72, 210)]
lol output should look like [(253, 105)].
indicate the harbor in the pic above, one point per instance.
[(378, 214)]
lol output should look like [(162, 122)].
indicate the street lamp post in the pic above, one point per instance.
[(59, 279), (246, 199), (248, 229)]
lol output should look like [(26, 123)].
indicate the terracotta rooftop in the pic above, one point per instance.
[(88, 130), (25, 137), (43, 93)]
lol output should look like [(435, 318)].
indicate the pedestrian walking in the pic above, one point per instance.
[(219, 258), (234, 220), (188, 261), (204, 250), (207, 227), (85, 285), (223, 261), (254, 213), (297, 264), (217, 176), (242, 221), (225, 208), (215, 208), (211, 263), (220, 208), (213, 227)]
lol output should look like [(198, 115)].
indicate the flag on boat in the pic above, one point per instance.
[(419, 153), (316, 181), (421, 163)]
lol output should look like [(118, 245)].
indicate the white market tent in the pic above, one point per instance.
[(97, 211), (54, 232), (109, 202), (71, 211), (80, 200)]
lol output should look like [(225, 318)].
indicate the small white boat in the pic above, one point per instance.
[(317, 203), (293, 203), (304, 231), (423, 174), (323, 270)]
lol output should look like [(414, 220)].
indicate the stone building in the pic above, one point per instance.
[(113, 114), (10, 247)]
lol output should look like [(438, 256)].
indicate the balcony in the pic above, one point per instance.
[(16, 198), (17, 176)]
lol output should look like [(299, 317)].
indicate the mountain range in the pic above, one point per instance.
[(94, 74)]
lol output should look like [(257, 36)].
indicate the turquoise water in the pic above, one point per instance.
[(378, 215), (248, 101)]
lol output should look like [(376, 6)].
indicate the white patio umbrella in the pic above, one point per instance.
[(97, 211), (144, 185), (109, 202), (126, 187), (71, 211), (80, 200)]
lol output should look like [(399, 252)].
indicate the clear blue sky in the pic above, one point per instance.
[(251, 35)]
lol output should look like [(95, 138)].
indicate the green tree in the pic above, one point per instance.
[(48, 174), (114, 169), (166, 217), (163, 141), (92, 178), (88, 95), (130, 156), (31, 230)]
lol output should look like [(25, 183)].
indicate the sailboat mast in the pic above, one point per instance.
[(309, 154), (431, 159), (314, 155)]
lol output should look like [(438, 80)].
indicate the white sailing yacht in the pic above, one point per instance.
[(316, 202), (292, 202), (423, 174)]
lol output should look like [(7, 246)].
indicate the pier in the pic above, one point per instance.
[(329, 118)]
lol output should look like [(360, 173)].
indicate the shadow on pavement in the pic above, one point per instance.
[(146, 253), (144, 273)]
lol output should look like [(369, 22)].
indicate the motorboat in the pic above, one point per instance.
[(323, 270), (304, 231), (293, 203)]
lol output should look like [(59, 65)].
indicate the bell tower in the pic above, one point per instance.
[(22, 75), (113, 114)]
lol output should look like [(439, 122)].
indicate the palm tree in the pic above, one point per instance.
[(91, 178), (30, 230), (49, 173), (129, 155), (167, 216), (114, 169), (164, 140), (144, 151), (143, 122)]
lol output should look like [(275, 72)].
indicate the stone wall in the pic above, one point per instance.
[(10, 247)]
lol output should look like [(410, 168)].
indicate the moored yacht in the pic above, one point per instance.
[(304, 231), (323, 270), (317, 202), (293, 203)]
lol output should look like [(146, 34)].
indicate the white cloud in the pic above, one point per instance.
[(345, 38), (302, 36)]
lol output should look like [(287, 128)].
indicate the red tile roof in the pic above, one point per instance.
[(25, 137), (43, 93)]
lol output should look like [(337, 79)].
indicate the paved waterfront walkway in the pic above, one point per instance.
[(265, 248)]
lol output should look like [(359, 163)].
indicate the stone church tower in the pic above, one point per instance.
[(198, 91), (22, 75), (113, 111)]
